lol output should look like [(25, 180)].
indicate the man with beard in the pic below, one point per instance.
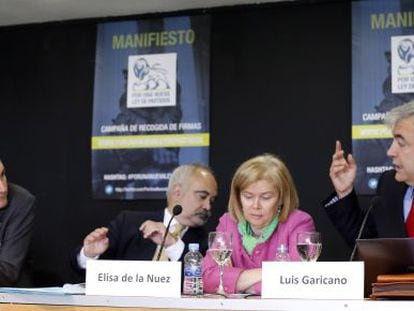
[(137, 235), (16, 226)]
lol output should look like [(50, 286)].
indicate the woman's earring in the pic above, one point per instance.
[(279, 209)]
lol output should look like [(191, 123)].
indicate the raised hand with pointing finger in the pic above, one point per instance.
[(342, 171)]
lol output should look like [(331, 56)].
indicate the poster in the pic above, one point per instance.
[(382, 78), (151, 104)]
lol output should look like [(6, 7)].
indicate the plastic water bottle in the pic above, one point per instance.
[(282, 253), (193, 280)]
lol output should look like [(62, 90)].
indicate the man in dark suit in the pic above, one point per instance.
[(16, 226), (394, 215), (136, 235)]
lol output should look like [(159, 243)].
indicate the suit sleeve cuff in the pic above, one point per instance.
[(82, 258)]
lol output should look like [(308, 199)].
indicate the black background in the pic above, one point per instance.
[(280, 83)]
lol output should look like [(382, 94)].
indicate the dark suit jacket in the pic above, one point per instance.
[(386, 220), (16, 226), (126, 241)]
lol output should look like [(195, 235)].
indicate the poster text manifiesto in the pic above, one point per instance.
[(392, 20), (151, 39)]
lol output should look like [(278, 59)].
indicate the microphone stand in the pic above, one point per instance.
[(374, 202), (176, 211)]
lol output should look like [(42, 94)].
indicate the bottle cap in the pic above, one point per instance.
[(193, 247), (282, 248)]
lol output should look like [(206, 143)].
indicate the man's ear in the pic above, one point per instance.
[(177, 191)]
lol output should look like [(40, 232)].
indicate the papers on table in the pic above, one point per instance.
[(67, 289)]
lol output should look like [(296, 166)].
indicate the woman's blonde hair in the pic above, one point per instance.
[(264, 167)]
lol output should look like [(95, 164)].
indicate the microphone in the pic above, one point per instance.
[(176, 211), (374, 202)]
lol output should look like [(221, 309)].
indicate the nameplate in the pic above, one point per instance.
[(133, 278), (313, 280)]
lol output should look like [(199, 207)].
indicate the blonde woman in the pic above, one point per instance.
[(262, 214)]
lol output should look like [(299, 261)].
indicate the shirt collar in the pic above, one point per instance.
[(174, 222)]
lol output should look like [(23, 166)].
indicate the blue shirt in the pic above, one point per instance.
[(408, 199)]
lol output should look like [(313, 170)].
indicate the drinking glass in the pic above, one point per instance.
[(309, 245), (220, 247)]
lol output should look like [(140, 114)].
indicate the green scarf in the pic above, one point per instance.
[(249, 241)]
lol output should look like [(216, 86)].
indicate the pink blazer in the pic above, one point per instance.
[(285, 233)]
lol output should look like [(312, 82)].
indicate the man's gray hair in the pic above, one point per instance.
[(182, 175), (398, 113)]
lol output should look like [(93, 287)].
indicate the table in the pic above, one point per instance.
[(45, 302)]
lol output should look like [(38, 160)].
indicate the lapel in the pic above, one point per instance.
[(150, 249), (195, 235), (142, 249), (390, 216)]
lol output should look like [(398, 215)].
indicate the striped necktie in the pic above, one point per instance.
[(178, 228)]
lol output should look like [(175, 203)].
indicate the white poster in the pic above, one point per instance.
[(152, 80), (402, 64)]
